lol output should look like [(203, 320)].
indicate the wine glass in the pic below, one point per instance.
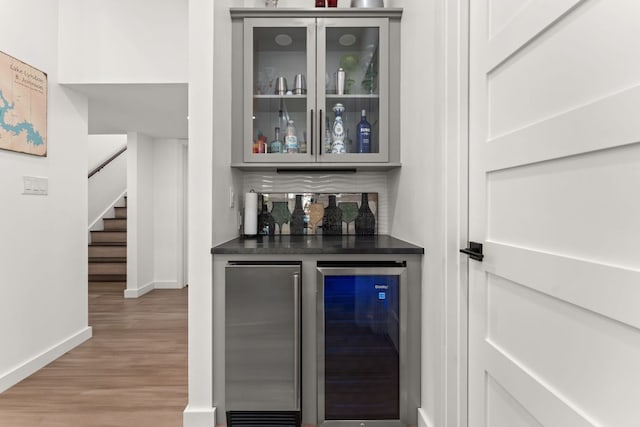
[(280, 213), (349, 212), (316, 212)]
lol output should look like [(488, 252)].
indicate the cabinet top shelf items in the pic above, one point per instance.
[(319, 12)]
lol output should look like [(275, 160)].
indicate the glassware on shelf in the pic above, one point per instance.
[(365, 221), (280, 213), (349, 212)]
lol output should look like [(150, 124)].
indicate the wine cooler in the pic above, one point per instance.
[(361, 343)]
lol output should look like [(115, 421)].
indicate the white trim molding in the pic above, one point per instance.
[(13, 377), (198, 417), (167, 284), (138, 292), (423, 419)]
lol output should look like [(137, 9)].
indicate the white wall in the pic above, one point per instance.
[(155, 214), (140, 237), (418, 185), (168, 212), (43, 248), (199, 412), (120, 41), (101, 147), (110, 183)]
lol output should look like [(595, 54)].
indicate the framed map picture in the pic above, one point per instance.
[(23, 107)]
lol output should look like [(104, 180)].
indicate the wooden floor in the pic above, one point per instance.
[(133, 372)]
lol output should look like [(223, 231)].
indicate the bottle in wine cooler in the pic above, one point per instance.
[(363, 132)]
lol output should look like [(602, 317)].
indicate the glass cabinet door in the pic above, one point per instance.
[(352, 85), (279, 90)]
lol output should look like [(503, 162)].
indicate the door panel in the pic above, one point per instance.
[(555, 73), (554, 325), (576, 192)]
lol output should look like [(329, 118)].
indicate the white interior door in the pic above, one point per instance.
[(554, 320)]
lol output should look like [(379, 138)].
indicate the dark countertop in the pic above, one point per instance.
[(317, 244)]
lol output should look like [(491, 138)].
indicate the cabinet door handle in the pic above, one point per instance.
[(296, 338), (311, 118), (320, 135)]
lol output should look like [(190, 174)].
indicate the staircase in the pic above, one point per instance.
[(108, 249)]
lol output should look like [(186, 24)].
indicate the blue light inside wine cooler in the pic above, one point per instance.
[(361, 347)]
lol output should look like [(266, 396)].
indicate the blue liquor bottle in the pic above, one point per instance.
[(363, 132)]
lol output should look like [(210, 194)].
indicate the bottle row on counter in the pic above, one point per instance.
[(311, 214), (335, 140)]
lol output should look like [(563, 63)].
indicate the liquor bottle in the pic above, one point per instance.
[(337, 132), (276, 144), (266, 223), (365, 221), (327, 136), (363, 131), (260, 144), (297, 217), (332, 218), (290, 139)]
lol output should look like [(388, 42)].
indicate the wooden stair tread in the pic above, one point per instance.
[(107, 257)]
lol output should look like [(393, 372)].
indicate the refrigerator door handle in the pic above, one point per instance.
[(296, 339)]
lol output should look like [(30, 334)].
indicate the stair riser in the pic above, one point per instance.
[(107, 251), (121, 212), (115, 224), (108, 268), (109, 237)]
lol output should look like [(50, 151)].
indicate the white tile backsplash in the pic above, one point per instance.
[(360, 182)]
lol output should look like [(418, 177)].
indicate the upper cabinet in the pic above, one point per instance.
[(316, 88)]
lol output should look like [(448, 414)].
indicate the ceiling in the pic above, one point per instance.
[(156, 110)]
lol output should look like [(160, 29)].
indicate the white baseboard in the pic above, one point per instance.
[(167, 284), (136, 293), (198, 417), (423, 419), (13, 377)]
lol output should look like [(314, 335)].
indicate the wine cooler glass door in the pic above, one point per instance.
[(361, 339)]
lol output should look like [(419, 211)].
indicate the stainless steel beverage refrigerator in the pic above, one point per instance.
[(262, 343), (361, 320)]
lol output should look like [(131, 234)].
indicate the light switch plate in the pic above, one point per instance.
[(35, 185)]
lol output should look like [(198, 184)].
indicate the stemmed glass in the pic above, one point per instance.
[(349, 212), (280, 213)]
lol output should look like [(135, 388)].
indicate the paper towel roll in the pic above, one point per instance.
[(251, 213)]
